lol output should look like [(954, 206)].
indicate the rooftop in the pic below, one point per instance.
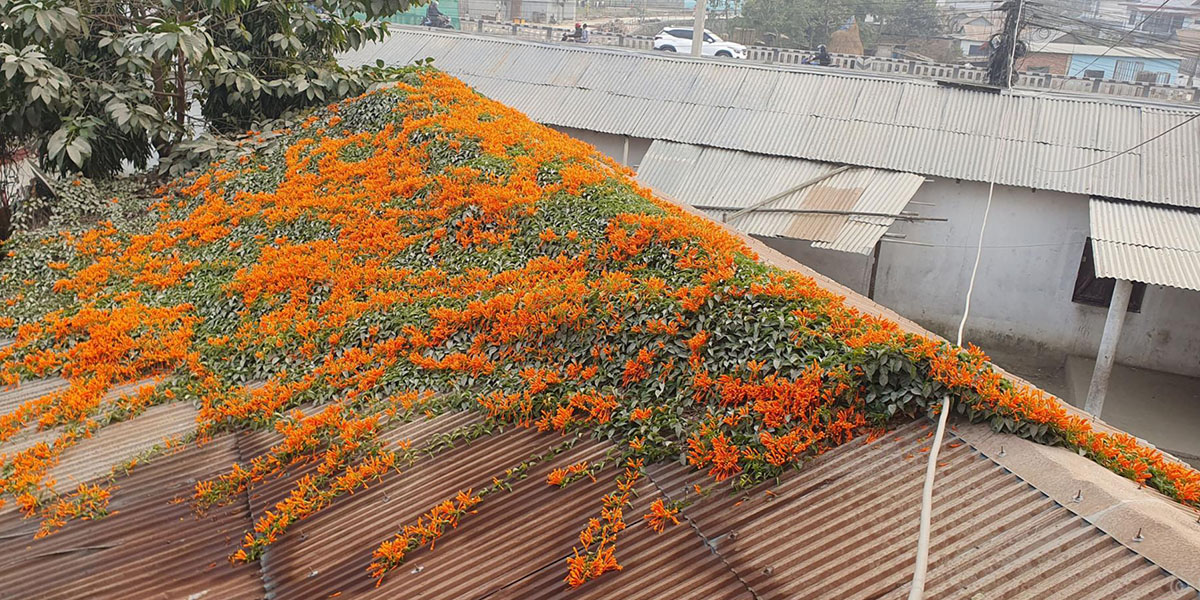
[(423, 293), (1033, 140), (809, 536)]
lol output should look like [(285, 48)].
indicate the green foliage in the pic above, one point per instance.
[(93, 84)]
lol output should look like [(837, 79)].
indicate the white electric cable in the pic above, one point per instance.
[(917, 591)]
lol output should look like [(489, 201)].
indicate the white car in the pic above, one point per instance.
[(679, 39)]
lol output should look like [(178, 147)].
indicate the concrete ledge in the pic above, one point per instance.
[(1170, 532)]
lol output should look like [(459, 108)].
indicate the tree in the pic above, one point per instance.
[(92, 83), (811, 22)]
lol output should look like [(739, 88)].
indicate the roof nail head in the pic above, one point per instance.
[(1002, 452), (417, 570), (313, 573), (768, 570)]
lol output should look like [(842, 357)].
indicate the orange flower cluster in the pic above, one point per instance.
[(1119, 452), (660, 515), (311, 495), (87, 502), (561, 477), (425, 532), (602, 532), (96, 349)]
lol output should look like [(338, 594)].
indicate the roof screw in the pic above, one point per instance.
[(417, 570), (1138, 537), (767, 571), (313, 573), (1078, 497), (386, 498), (733, 535), (1002, 452)]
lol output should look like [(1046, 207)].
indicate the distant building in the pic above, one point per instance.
[(972, 32), (1162, 19), (528, 11), (1143, 65)]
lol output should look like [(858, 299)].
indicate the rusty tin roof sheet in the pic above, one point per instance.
[(842, 527)]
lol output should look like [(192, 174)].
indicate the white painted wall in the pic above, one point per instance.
[(1022, 300), (611, 145)]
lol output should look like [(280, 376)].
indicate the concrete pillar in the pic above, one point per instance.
[(698, 29), (1108, 347)]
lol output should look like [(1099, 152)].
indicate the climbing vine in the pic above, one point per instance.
[(421, 250)]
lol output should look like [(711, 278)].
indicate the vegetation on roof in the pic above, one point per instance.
[(422, 250)]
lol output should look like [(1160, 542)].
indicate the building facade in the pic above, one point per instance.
[(1142, 65)]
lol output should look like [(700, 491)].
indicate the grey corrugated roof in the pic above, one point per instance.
[(907, 125), (1146, 243), (723, 181)]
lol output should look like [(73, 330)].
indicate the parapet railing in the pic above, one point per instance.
[(873, 64)]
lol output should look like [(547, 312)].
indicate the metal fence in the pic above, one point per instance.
[(874, 64)]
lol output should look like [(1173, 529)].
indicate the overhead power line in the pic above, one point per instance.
[(1129, 149)]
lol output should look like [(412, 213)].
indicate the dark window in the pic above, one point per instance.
[(1039, 70), (681, 33), (1146, 77), (1096, 291), (1094, 74), (1126, 70), (1162, 23)]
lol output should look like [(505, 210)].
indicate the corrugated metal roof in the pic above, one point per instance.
[(842, 527), (94, 456), (907, 124), (1146, 243), (149, 546), (724, 181)]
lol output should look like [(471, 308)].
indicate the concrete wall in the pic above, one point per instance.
[(611, 145), (1056, 64), (848, 269), (1022, 299)]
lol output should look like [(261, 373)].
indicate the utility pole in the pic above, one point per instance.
[(698, 29), (1001, 64)]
